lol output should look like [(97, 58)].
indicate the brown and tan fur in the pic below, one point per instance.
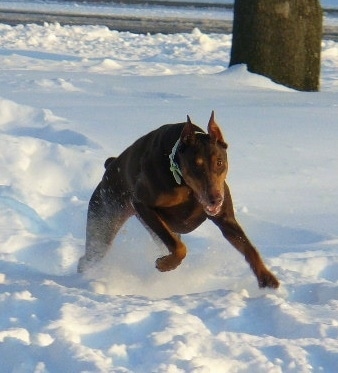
[(139, 182)]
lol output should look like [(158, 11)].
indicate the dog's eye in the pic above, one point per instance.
[(219, 162)]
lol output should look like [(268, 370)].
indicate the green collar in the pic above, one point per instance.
[(174, 168)]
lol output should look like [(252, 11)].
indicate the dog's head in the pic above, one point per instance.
[(203, 163)]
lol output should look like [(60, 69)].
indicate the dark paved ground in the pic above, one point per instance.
[(140, 25)]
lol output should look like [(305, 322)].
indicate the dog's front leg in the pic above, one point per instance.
[(157, 226), (235, 235), (233, 232)]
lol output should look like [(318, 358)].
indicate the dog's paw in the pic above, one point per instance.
[(267, 279), (167, 263)]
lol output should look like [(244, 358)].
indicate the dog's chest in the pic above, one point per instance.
[(176, 197), (180, 210)]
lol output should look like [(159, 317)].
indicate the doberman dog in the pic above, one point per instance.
[(172, 179)]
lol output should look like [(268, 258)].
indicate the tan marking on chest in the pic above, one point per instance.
[(178, 196)]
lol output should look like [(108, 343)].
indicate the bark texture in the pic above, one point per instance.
[(279, 39)]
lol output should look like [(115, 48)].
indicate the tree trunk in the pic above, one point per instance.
[(279, 39)]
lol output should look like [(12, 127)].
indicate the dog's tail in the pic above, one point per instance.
[(108, 162)]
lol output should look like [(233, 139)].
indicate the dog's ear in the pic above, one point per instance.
[(214, 131), (188, 133)]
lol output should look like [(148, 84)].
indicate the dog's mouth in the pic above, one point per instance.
[(212, 210), (212, 205)]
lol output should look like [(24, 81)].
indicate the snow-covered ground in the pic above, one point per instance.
[(72, 96)]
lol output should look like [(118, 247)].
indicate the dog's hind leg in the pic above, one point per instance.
[(104, 220)]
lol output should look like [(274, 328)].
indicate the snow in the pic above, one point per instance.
[(72, 96)]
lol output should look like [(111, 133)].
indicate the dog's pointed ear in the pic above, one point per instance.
[(188, 133), (214, 131)]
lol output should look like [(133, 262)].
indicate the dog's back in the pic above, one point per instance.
[(147, 160)]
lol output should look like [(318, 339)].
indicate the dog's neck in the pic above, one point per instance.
[(174, 167)]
